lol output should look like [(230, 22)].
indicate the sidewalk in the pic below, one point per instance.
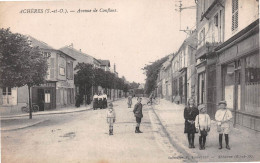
[(63, 110), (244, 145), (20, 121)]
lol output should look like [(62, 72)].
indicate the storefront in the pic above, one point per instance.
[(238, 73), (45, 96)]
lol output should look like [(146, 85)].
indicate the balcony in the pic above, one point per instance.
[(206, 50)]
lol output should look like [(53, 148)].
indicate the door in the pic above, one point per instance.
[(47, 97), (41, 99), (211, 90)]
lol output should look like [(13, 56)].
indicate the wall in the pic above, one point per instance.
[(247, 13)]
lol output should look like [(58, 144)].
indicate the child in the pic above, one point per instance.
[(202, 124), (138, 114), (223, 117), (190, 113), (111, 118)]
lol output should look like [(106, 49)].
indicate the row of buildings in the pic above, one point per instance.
[(59, 89), (218, 61)]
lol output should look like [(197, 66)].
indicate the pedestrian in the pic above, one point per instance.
[(202, 124), (150, 99), (100, 101), (111, 117), (138, 114), (190, 113), (104, 99), (223, 117), (95, 101), (129, 101)]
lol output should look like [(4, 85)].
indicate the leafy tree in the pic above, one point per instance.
[(84, 78), (20, 63), (152, 72)]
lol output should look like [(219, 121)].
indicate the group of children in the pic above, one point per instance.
[(198, 121), (138, 113), (100, 101)]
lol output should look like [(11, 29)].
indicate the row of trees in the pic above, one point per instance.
[(20, 63), (152, 72), (87, 76)]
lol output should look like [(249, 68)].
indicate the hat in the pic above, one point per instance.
[(201, 106), (222, 102), (110, 104)]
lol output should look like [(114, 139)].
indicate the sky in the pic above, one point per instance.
[(138, 33)]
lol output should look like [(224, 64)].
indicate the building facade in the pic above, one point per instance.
[(238, 67), (57, 91)]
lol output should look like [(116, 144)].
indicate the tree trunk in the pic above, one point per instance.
[(30, 102)]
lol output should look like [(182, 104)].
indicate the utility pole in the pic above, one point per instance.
[(179, 8)]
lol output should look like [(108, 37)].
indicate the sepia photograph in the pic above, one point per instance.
[(119, 81)]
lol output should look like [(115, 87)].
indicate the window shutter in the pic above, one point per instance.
[(234, 14)]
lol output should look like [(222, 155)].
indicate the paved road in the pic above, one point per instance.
[(83, 137)]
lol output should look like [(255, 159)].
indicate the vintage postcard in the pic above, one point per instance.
[(124, 81)]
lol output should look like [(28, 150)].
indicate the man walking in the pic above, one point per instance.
[(138, 114)]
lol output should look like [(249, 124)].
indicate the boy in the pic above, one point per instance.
[(223, 117), (111, 118), (202, 124), (138, 114)]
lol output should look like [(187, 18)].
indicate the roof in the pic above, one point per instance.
[(78, 55), (42, 45), (104, 62), (38, 43)]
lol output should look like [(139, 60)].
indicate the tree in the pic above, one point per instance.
[(20, 63), (84, 78), (152, 72)]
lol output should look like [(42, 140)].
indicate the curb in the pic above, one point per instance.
[(23, 127), (175, 142), (49, 113)]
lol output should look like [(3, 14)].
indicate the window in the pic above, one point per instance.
[(7, 91), (202, 37), (47, 96), (216, 20), (62, 71), (234, 14)]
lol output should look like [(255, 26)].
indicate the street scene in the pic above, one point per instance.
[(140, 81)]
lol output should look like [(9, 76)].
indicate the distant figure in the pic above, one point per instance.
[(223, 117), (129, 101), (150, 99), (95, 101), (111, 118), (100, 101), (104, 99), (138, 112)]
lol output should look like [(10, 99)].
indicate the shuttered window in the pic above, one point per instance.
[(234, 14)]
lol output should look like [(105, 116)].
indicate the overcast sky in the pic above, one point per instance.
[(141, 31)]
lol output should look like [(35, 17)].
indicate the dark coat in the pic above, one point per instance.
[(138, 110), (190, 113)]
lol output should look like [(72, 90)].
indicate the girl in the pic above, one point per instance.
[(202, 124), (190, 113)]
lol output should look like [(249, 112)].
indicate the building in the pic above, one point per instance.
[(183, 71), (80, 56), (210, 33), (57, 91), (104, 64), (238, 67)]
